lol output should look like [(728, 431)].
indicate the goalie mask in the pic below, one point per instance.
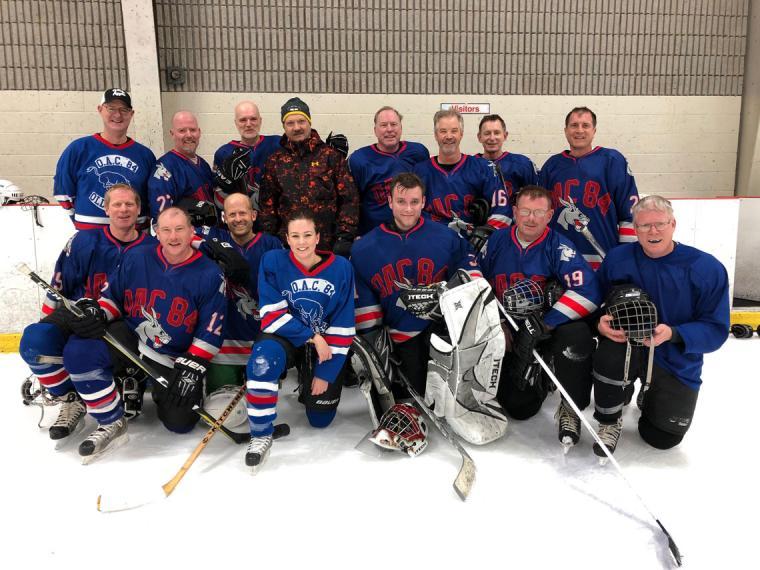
[(524, 298), (216, 402), (401, 428), (632, 311)]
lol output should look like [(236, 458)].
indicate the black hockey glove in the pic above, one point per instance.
[(531, 332), (343, 245), (92, 324), (201, 213), (421, 300), (186, 384), (479, 237), (232, 170), (479, 209), (339, 142), (233, 264)]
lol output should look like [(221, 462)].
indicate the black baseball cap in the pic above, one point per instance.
[(116, 94)]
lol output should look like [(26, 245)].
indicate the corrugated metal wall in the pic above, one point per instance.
[(521, 47), (62, 45)]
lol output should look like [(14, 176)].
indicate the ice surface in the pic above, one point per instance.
[(319, 503)]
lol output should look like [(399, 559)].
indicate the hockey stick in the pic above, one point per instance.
[(466, 476), (108, 505), (572, 215), (24, 269), (280, 430), (671, 543)]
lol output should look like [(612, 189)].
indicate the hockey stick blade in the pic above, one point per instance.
[(550, 373)]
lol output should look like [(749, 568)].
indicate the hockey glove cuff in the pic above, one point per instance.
[(233, 264), (420, 300), (186, 385), (92, 323)]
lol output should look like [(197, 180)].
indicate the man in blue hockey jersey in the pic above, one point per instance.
[(374, 166), (239, 165), (452, 179), (167, 303), (529, 250), (690, 291), (514, 170), (593, 188), (412, 250), (232, 248), (80, 273), (91, 165), (181, 177)]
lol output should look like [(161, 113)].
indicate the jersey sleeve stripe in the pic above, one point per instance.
[(336, 350), (270, 317), (574, 305), (273, 307), (339, 340), (498, 221), (202, 349), (274, 326), (111, 309), (341, 331), (402, 336)]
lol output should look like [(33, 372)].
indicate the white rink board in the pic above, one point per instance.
[(748, 250), (709, 224)]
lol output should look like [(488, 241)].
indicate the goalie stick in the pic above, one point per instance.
[(24, 269), (671, 543), (466, 476)]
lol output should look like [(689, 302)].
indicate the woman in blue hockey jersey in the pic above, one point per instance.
[(306, 300)]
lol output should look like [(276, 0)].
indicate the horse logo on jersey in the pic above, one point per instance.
[(311, 312), (108, 178), (566, 253), (162, 173), (150, 330), (571, 216), (245, 304)]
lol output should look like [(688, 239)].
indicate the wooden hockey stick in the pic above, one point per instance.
[(107, 504)]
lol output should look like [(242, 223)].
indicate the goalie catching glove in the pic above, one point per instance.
[(234, 266), (186, 383), (232, 170)]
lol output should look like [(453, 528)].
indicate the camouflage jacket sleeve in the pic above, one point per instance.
[(347, 221)]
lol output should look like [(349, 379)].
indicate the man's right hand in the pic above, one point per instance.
[(606, 330)]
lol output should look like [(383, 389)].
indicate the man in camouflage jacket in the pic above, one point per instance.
[(307, 173)]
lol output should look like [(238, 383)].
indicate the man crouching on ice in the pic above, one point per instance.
[(415, 277), (167, 302)]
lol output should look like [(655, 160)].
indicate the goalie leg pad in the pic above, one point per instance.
[(45, 339), (463, 374)]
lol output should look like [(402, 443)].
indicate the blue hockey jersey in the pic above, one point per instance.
[(601, 186), (514, 171), (172, 309), (690, 289), (91, 165), (260, 151), (428, 253), (84, 264), (242, 324), (505, 261), (453, 191), (373, 170), (176, 177), (297, 303)]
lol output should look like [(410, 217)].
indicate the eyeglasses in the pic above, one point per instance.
[(659, 226), (124, 111), (525, 212)]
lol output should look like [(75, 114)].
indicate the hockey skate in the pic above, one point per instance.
[(609, 434), (569, 430), (70, 417), (104, 440), (258, 451)]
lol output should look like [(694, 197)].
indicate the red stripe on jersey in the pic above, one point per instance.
[(338, 340), (498, 224), (373, 316), (253, 399), (196, 350), (595, 264), (574, 305), (108, 306), (269, 318), (400, 337), (66, 204), (235, 350), (627, 232), (47, 310), (87, 226)]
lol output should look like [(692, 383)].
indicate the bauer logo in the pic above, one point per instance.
[(468, 108)]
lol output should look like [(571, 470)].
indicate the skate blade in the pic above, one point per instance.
[(567, 444), (603, 461), (65, 442), (113, 446), (256, 468)]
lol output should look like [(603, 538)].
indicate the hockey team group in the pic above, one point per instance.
[(465, 285)]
